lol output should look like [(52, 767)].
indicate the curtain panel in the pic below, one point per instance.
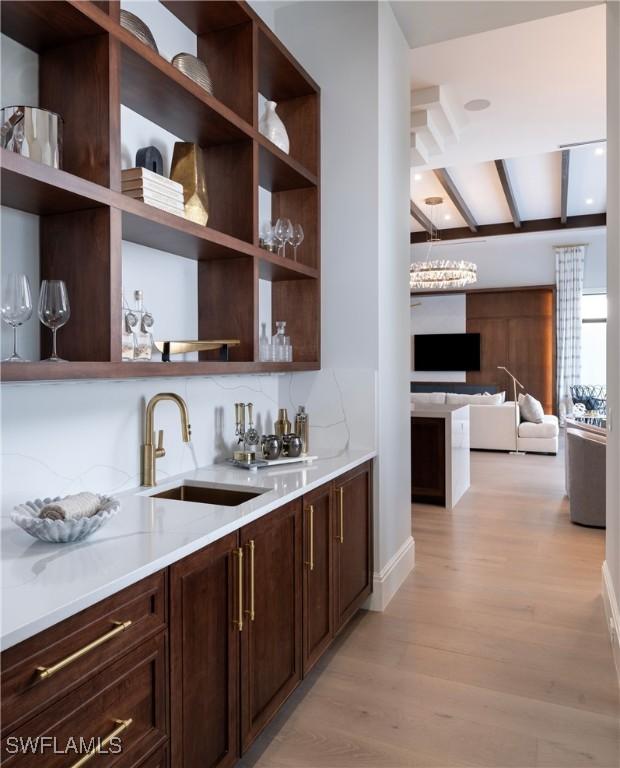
[(569, 268)]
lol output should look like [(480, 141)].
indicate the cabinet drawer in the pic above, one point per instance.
[(158, 760), (128, 699), (77, 648)]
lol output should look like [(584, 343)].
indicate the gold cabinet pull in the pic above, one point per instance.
[(121, 725), (310, 562), (250, 611), (340, 537), (119, 626), (238, 622)]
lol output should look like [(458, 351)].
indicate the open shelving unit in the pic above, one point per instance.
[(88, 66)]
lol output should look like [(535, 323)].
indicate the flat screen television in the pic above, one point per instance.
[(446, 352)]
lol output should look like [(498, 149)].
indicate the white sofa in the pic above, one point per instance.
[(492, 423)]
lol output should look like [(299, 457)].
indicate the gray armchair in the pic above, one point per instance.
[(586, 477)]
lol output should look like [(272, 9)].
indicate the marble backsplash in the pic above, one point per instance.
[(60, 438)]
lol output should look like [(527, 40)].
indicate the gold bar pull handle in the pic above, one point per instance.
[(340, 536), (250, 611), (121, 725), (119, 626), (238, 622), (310, 562)]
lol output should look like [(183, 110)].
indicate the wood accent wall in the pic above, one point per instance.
[(517, 329)]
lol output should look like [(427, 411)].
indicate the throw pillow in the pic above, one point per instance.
[(531, 409)]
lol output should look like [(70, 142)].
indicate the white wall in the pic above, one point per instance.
[(364, 246), (527, 259), (437, 314), (393, 524), (613, 323)]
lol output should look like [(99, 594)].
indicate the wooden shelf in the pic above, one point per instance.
[(278, 172), (280, 77), (43, 25), (156, 90), (208, 16), (147, 225), (44, 371), (36, 188), (88, 66), (277, 268)]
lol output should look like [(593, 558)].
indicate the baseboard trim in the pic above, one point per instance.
[(387, 582), (612, 614)]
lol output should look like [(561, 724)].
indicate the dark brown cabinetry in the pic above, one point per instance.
[(317, 575), (248, 617), (428, 460), (127, 701), (204, 658), (271, 636), (352, 551)]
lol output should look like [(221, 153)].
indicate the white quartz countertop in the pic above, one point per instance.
[(43, 584)]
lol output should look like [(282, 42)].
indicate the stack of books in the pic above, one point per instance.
[(153, 189)]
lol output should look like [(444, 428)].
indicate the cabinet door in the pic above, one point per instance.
[(271, 637), (204, 590), (352, 531), (317, 575)]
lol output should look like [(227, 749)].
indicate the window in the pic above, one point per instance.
[(593, 338)]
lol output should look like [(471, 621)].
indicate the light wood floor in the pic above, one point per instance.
[(493, 653)]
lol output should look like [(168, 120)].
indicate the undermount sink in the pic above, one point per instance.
[(219, 495)]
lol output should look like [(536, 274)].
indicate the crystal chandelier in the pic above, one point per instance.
[(439, 274)]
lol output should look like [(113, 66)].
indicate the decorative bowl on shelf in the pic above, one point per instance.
[(62, 531), (138, 28), (195, 69)]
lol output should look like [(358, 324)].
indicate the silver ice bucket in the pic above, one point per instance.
[(32, 132)]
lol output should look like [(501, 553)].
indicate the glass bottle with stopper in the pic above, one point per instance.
[(143, 336)]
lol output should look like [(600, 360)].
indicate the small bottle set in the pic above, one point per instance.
[(137, 339), (278, 349), (284, 445)]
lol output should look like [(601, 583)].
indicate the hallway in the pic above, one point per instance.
[(493, 653)]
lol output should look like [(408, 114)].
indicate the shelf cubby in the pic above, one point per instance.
[(88, 66)]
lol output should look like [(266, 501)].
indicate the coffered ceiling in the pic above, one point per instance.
[(544, 81), (540, 79)]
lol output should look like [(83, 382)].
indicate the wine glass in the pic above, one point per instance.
[(16, 307), (54, 310), (297, 239), (283, 231)]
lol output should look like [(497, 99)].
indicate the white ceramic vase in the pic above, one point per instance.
[(273, 128)]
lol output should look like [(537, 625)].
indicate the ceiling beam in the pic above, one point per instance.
[(565, 175), (446, 182), (502, 172), (507, 228), (421, 218)]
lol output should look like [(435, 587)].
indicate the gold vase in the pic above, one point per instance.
[(188, 168)]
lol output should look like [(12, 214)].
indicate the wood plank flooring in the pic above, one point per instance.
[(493, 653)]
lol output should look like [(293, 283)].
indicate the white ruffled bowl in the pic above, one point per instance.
[(62, 531)]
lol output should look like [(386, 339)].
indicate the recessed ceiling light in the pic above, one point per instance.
[(447, 217), (589, 200), (417, 177), (599, 151), (477, 105)]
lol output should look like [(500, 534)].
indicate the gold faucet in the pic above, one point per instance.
[(149, 453)]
